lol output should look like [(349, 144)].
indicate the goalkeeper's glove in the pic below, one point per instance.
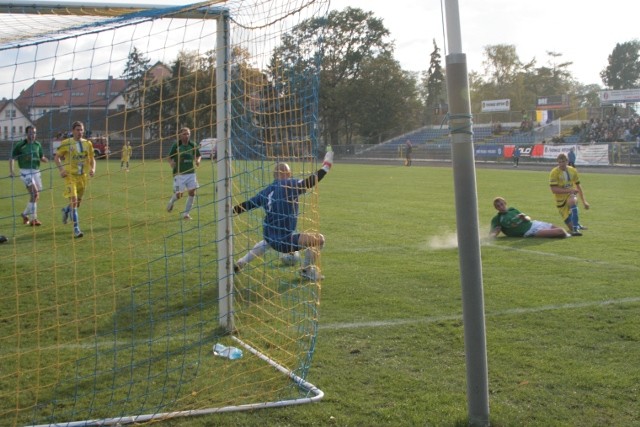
[(328, 160)]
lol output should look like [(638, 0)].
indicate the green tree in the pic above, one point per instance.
[(507, 77), (348, 38), (501, 64), (623, 71), (383, 101), (134, 73), (433, 84)]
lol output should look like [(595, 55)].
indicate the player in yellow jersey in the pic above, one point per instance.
[(565, 186), (126, 155), (75, 161)]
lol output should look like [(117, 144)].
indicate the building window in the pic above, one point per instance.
[(77, 93), (10, 114)]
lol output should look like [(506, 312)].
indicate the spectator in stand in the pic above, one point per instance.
[(29, 155)]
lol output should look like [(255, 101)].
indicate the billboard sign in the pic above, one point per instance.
[(552, 102), (496, 105), (619, 96)]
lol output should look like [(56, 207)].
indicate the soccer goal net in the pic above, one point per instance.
[(114, 291)]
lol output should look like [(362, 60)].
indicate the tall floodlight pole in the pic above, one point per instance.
[(466, 200)]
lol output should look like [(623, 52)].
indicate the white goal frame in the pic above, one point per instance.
[(223, 197)]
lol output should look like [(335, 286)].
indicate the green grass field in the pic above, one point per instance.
[(563, 331)]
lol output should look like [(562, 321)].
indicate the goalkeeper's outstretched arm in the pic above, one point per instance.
[(310, 181)]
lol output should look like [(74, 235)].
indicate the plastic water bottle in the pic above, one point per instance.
[(232, 353)]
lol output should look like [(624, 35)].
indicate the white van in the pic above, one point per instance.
[(208, 147)]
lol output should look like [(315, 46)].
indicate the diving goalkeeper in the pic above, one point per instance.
[(280, 203)]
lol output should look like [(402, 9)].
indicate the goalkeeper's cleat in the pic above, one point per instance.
[(311, 273), (77, 233), (25, 218), (35, 223), (187, 217), (65, 215)]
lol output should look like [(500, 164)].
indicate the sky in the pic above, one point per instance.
[(585, 33)]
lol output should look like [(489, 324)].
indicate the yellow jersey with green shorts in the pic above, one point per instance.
[(563, 179), (78, 158)]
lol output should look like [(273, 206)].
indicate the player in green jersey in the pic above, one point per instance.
[(513, 223), (184, 158), (29, 155)]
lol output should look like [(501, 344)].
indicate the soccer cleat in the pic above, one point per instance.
[(169, 207), (311, 273), (187, 217), (25, 218), (77, 233), (576, 232), (65, 215), (236, 268), (582, 227), (35, 222)]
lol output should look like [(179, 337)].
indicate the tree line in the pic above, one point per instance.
[(365, 96)]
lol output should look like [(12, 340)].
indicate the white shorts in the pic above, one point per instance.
[(538, 226), (184, 182), (31, 177)]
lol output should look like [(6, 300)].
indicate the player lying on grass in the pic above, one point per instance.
[(280, 203), (514, 223)]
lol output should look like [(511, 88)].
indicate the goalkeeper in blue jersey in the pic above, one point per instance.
[(280, 203)]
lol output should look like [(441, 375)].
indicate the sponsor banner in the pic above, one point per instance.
[(597, 154), (552, 151), (496, 105), (622, 95), (489, 150), (586, 155), (525, 151)]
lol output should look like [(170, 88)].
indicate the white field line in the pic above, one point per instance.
[(104, 344), (567, 257), (435, 319)]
